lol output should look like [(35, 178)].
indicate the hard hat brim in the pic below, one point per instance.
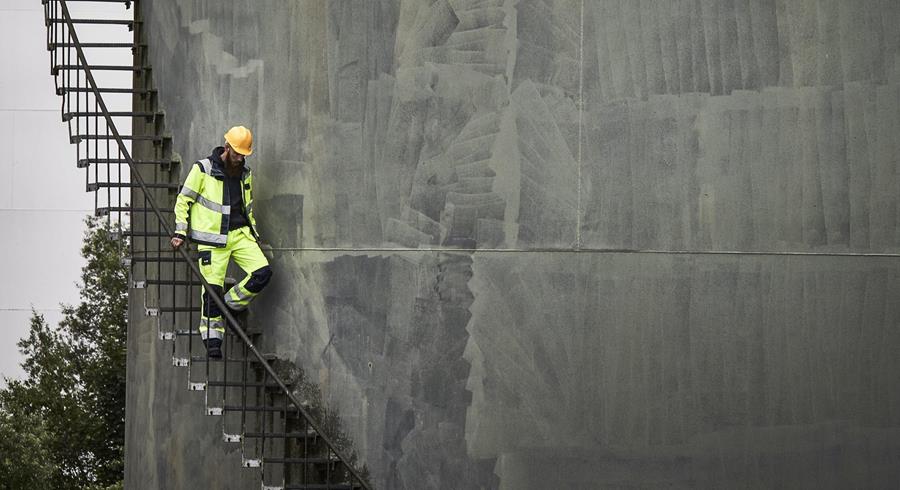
[(235, 147)]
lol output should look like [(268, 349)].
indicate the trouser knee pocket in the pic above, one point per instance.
[(259, 279)]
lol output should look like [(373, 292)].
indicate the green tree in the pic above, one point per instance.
[(63, 426)]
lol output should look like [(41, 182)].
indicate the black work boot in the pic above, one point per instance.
[(213, 348)]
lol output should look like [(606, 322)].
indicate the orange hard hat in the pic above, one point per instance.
[(240, 139)]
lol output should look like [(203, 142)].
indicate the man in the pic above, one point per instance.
[(216, 205)]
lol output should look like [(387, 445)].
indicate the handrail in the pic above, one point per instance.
[(231, 321)]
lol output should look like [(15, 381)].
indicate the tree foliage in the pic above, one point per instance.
[(63, 426)]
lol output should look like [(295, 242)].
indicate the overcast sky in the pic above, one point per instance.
[(42, 197)]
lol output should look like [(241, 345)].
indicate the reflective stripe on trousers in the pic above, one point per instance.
[(242, 247), (212, 328)]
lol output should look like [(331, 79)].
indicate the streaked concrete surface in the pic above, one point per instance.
[(444, 183)]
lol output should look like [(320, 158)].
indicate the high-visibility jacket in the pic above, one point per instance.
[(199, 207)]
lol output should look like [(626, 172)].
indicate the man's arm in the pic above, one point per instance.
[(190, 190)]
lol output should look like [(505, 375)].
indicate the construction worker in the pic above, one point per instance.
[(215, 209)]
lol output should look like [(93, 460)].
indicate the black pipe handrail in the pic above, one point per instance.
[(231, 321)]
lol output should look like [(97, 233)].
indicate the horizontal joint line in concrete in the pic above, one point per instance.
[(590, 251)]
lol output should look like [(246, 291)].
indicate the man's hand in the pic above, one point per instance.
[(176, 242)]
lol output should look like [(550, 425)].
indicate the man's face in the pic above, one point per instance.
[(233, 158)]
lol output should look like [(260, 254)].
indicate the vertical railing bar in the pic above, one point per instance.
[(190, 324), (78, 101), (87, 170), (174, 313), (224, 374), (120, 204), (305, 452), (264, 402), (284, 429), (244, 367), (97, 151), (328, 467), (66, 62), (109, 187)]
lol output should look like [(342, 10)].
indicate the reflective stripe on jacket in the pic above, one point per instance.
[(199, 208)]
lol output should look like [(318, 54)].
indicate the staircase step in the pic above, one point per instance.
[(257, 408), (194, 333), (86, 162), (68, 116), (126, 2), (98, 45), (178, 309), (105, 90), (154, 258), (281, 435), (104, 211), (251, 360), (332, 459), (56, 69), (169, 282), (249, 384), (233, 438), (147, 234), (119, 22), (75, 139), (323, 486), (93, 186)]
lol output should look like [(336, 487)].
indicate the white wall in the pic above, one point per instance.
[(42, 198)]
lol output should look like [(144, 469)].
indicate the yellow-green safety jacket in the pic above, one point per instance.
[(199, 207)]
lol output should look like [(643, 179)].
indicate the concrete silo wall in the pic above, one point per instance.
[(444, 184)]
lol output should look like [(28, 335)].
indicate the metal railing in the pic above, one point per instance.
[(71, 69)]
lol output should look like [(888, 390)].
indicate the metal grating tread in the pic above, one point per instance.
[(98, 45), (105, 211), (126, 2), (178, 309), (143, 258), (67, 116), (57, 68), (93, 186), (330, 459), (281, 435), (105, 90), (85, 162), (118, 22), (129, 137), (158, 234), (323, 486), (232, 360), (169, 282), (249, 384)]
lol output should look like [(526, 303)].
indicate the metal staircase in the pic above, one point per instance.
[(277, 435)]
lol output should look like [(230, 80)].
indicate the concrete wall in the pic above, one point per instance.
[(444, 184)]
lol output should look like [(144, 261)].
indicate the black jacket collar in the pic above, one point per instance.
[(218, 166)]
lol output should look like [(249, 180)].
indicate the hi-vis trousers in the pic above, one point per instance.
[(242, 247)]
